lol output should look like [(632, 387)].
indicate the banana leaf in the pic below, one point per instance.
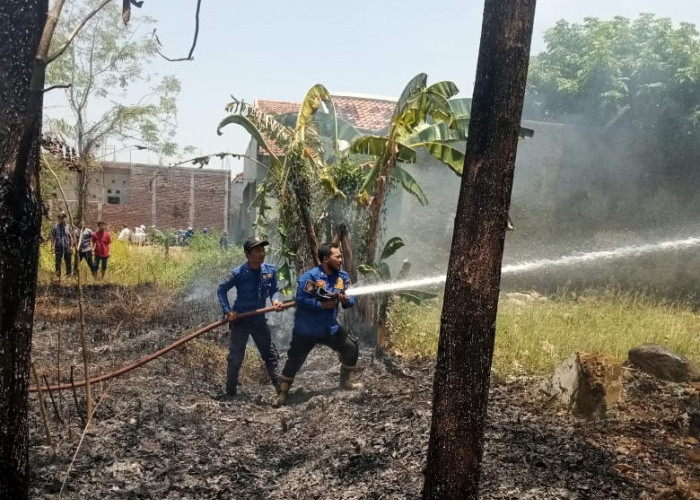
[(314, 97), (410, 184), (448, 155), (414, 86), (371, 177), (437, 106), (445, 88), (250, 127), (416, 296), (461, 107), (405, 269), (391, 247), (384, 271), (374, 145), (439, 132), (365, 270)]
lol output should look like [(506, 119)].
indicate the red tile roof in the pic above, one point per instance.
[(369, 114), (366, 113)]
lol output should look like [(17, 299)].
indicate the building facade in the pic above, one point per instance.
[(152, 195)]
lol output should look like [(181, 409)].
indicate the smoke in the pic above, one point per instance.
[(576, 189)]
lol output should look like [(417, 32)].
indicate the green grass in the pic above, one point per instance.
[(131, 265), (532, 336)]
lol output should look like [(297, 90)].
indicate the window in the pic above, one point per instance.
[(113, 200)]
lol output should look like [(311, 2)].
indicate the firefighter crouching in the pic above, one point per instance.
[(319, 292)]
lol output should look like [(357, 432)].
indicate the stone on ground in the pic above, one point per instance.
[(658, 361), (590, 384)]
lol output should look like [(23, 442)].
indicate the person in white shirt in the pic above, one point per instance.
[(83, 236), (124, 234), (139, 235)]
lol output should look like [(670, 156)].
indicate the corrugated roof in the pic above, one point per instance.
[(368, 114)]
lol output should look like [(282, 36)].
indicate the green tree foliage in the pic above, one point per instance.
[(105, 67), (643, 73)]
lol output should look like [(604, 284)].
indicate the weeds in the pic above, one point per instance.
[(132, 265), (533, 334)]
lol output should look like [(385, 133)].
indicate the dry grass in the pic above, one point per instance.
[(532, 335), (206, 362)]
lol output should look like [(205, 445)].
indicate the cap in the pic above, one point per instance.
[(253, 242)]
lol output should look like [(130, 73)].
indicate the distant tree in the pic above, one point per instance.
[(468, 322), (102, 68), (644, 72)]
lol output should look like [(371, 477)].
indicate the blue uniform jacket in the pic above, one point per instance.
[(253, 287), (309, 319)]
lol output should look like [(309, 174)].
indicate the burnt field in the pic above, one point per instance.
[(159, 433)]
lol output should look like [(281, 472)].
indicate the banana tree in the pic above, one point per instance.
[(424, 118), (292, 175)]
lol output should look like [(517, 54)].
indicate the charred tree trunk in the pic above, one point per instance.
[(21, 98), (473, 278)]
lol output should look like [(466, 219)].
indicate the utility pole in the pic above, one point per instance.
[(468, 322)]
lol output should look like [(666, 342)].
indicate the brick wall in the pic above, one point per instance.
[(166, 197)]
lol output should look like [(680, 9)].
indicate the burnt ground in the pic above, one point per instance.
[(158, 432)]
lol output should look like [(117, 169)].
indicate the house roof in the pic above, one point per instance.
[(367, 113)]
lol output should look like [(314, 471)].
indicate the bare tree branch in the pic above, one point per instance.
[(75, 32), (194, 40), (59, 86), (49, 29), (204, 159)]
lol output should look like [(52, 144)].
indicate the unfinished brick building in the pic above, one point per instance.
[(152, 195)]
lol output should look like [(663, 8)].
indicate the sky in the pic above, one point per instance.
[(276, 50)]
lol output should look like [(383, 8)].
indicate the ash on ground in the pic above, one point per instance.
[(158, 432)]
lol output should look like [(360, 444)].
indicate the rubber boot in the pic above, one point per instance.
[(346, 376), (283, 391)]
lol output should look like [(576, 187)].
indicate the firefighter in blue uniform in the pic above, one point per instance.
[(319, 293), (255, 281)]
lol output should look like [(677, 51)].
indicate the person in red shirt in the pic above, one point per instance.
[(100, 247)]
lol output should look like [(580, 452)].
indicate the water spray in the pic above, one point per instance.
[(601, 255)]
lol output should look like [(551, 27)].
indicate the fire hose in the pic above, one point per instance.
[(159, 353)]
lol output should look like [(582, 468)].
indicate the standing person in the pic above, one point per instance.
[(319, 292), (100, 247), (62, 245), (124, 234), (255, 281), (223, 241), (83, 237)]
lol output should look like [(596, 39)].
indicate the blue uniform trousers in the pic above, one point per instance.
[(238, 338)]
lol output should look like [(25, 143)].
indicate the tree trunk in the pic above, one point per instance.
[(21, 98), (82, 192), (473, 278), (377, 203)]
